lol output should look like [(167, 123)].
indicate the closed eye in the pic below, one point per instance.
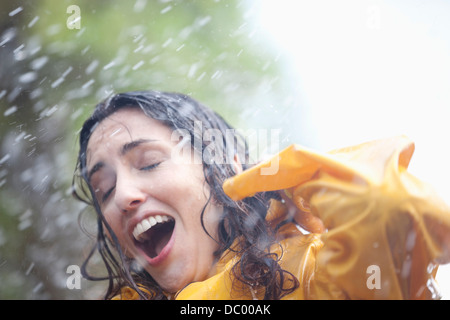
[(147, 168), (107, 194), (150, 167)]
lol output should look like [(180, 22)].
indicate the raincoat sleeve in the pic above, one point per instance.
[(386, 231)]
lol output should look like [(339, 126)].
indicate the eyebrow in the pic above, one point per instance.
[(125, 149), (133, 144)]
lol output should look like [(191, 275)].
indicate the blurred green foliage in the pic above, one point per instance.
[(51, 77)]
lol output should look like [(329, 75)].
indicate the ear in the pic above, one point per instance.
[(237, 165)]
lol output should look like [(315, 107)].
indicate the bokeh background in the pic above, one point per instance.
[(326, 74)]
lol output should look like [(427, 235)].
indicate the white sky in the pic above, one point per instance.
[(369, 69)]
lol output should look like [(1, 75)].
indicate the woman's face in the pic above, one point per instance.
[(153, 203)]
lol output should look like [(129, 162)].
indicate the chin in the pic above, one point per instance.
[(174, 276)]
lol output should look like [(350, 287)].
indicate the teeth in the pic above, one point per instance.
[(146, 224)]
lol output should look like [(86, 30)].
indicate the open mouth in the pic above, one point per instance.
[(153, 234)]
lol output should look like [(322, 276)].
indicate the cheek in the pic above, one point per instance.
[(116, 223), (192, 193), (116, 226), (189, 185)]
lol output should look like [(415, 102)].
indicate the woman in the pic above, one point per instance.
[(179, 224)]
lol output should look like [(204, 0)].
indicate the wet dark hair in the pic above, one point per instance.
[(242, 221)]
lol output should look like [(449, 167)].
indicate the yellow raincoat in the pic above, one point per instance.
[(386, 231)]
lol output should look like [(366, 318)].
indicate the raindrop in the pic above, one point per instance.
[(33, 22), (109, 65), (86, 49), (76, 114), (57, 82), (139, 5), (167, 42), (80, 33), (4, 41), (192, 70), (137, 38), (28, 77), (25, 220), (51, 111), (14, 94), (186, 32), (201, 76), (20, 136), (115, 132), (19, 54), (5, 158), (138, 48), (166, 9), (2, 238), (406, 268), (26, 175), (138, 65), (35, 50), (91, 67), (410, 241), (36, 93), (148, 48), (29, 269), (216, 74), (38, 287), (10, 111), (15, 11), (155, 59), (69, 69), (203, 21), (38, 63), (38, 106), (32, 151), (88, 84), (7, 35), (433, 288)]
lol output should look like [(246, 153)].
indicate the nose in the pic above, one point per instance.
[(128, 195)]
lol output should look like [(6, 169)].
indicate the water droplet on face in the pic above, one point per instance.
[(116, 132)]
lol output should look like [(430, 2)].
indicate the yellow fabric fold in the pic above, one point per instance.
[(379, 217)]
